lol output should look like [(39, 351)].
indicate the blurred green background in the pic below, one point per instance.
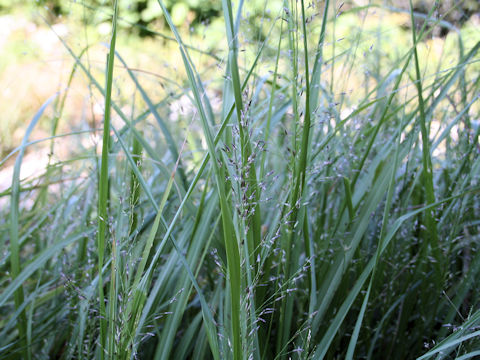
[(34, 64), (143, 12)]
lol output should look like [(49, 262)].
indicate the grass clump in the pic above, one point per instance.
[(325, 207)]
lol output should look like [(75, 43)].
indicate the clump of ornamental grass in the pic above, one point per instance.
[(326, 206)]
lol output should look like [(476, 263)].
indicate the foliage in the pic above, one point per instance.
[(309, 193)]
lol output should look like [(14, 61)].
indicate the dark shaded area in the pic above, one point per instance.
[(455, 12)]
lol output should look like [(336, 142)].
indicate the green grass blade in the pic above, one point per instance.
[(103, 191), (432, 233), (14, 231)]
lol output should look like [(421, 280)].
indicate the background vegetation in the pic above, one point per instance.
[(251, 180)]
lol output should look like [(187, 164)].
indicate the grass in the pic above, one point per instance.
[(327, 207)]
